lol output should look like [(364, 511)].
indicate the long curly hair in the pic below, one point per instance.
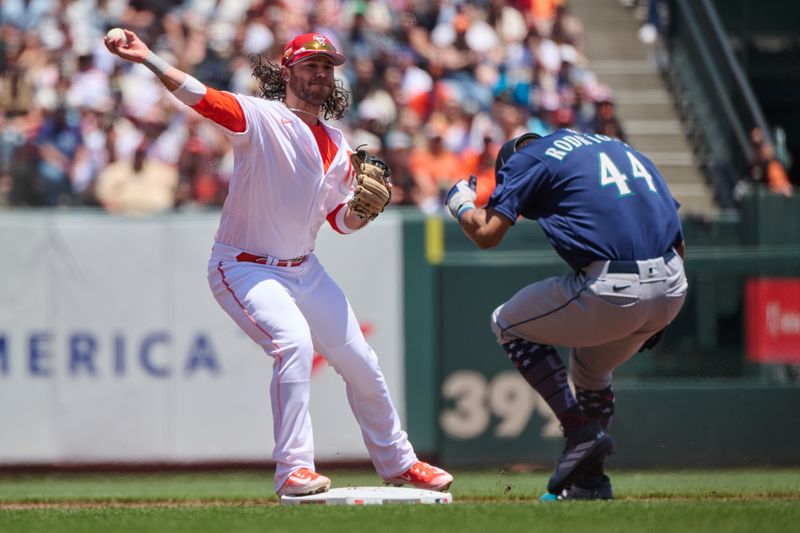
[(273, 87)]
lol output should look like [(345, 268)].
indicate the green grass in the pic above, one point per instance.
[(719, 500)]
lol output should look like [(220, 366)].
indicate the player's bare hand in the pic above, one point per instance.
[(133, 50)]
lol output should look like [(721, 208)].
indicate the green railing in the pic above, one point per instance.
[(713, 94)]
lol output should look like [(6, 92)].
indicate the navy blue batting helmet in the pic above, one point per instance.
[(511, 146)]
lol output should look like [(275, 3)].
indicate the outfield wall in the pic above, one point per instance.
[(113, 349)]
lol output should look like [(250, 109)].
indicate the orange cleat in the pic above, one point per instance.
[(303, 482), (423, 476)]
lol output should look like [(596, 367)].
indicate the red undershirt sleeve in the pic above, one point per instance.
[(222, 108)]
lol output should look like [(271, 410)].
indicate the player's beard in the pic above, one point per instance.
[(314, 93)]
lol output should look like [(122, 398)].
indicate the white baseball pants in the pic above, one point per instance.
[(291, 312), (603, 317)]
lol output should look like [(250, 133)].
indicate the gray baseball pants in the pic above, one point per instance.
[(604, 313)]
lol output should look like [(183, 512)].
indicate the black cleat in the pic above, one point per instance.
[(589, 488), (590, 444)]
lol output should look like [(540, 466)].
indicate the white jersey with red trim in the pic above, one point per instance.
[(279, 195)]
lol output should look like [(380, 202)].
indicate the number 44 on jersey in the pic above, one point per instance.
[(610, 174)]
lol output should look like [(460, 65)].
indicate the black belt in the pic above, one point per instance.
[(632, 267)]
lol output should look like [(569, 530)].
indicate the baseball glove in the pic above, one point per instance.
[(371, 194)]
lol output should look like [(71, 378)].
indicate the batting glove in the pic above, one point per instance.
[(461, 197)]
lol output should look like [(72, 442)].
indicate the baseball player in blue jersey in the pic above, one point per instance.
[(608, 213)]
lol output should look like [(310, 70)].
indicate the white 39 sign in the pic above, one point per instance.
[(507, 396)]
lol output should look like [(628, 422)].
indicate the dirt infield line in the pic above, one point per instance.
[(143, 504), (133, 504)]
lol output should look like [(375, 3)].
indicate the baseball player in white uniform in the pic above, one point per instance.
[(292, 172)]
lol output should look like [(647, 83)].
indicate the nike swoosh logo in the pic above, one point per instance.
[(620, 287), (285, 121)]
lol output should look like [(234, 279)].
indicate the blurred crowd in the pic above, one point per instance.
[(436, 87)]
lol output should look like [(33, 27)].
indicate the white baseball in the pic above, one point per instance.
[(117, 34)]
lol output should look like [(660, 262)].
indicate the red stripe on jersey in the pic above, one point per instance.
[(332, 219), (327, 148), (222, 108)]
